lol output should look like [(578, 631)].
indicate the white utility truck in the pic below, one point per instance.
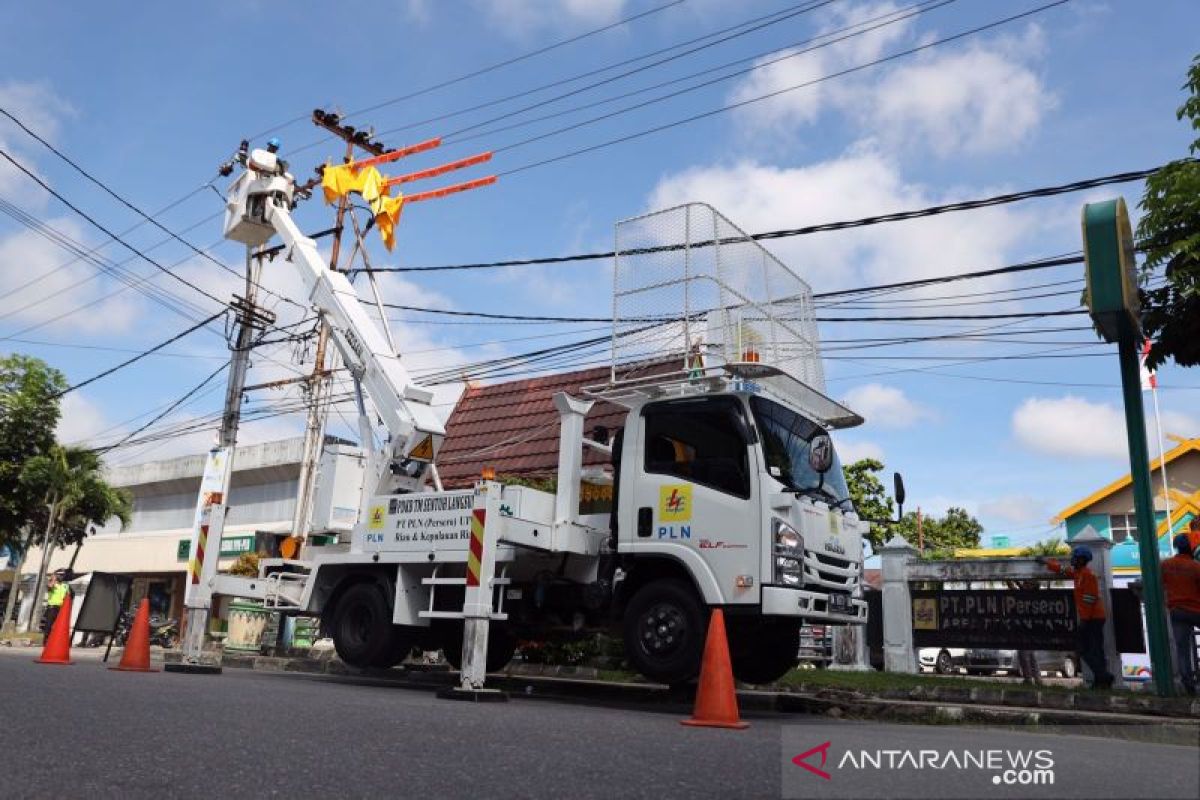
[(727, 492)]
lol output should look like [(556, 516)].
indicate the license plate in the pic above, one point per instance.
[(839, 603)]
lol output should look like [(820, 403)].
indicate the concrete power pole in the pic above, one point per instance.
[(213, 502)]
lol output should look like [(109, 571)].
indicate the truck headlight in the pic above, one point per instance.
[(788, 553)]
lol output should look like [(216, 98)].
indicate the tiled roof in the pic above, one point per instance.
[(513, 427)]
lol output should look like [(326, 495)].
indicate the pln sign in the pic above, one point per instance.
[(1108, 250)]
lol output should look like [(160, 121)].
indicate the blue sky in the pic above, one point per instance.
[(151, 100)]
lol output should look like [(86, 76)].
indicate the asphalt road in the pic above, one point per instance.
[(82, 730)]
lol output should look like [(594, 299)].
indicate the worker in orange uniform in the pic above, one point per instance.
[(1193, 536), (1089, 606), (1181, 582)]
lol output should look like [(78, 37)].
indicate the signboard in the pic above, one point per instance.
[(230, 546), (1015, 619), (426, 521), (106, 594), (995, 618), (1108, 250)]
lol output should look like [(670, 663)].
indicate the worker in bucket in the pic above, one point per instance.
[(1089, 607)]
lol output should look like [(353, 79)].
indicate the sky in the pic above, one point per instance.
[(151, 100)]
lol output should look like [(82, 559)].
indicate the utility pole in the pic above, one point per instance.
[(920, 532), (319, 382), (209, 523)]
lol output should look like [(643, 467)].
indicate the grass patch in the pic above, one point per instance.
[(881, 681)]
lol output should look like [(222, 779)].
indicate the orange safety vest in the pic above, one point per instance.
[(1089, 604)]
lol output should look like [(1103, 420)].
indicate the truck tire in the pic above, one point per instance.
[(362, 626), (501, 645), (765, 650), (944, 664), (403, 639), (664, 629)]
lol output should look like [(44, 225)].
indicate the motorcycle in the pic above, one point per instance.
[(163, 632)]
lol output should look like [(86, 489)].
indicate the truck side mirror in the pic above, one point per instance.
[(898, 486)]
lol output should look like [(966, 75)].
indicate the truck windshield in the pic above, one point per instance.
[(786, 438)]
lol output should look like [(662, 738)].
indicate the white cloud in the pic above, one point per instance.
[(1073, 427), (79, 419), (886, 406), (524, 19), (974, 102), (856, 450), (979, 99), (758, 197), (42, 111), (41, 280), (1015, 509)]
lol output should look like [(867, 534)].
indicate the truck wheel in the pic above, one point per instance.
[(944, 664), (403, 639), (501, 645), (664, 630), (764, 652), (362, 626)]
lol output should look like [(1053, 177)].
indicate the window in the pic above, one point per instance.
[(787, 438), (1123, 526), (699, 440)]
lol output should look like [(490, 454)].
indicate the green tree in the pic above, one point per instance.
[(870, 498), (941, 536), (28, 416), (1169, 233), (74, 495), (1047, 547)]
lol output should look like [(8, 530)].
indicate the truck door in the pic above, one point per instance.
[(693, 495)]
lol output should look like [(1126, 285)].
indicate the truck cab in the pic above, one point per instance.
[(717, 498)]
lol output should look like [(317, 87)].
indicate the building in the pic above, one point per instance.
[(512, 429), (153, 549), (1109, 510)]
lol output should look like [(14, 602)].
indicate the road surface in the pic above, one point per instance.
[(82, 730)]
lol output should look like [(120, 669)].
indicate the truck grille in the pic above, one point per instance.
[(830, 571)]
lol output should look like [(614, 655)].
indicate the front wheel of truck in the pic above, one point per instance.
[(664, 630), (763, 650)]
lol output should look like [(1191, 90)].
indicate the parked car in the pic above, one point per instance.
[(942, 660), (1052, 661)]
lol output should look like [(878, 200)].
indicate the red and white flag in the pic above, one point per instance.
[(1149, 379)]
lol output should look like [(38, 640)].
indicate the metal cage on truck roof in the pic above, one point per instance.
[(690, 286)]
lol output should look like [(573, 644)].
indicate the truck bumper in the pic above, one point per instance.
[(780, 602)]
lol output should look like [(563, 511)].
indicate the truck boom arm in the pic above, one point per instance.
[(259, 205)]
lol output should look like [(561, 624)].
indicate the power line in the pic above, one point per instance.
[(169, 408), (476, 73), (907, 12), (794, 11), (862, 222), (600, 70), (769, 95), (703, 85), (147, 217), (139, 356), (105, 230)]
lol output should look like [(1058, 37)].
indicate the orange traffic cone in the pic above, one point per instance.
[(716, 700), (136, 657), (57, 649)]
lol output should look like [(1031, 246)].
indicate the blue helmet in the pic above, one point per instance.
[(1081, 552), (1182, 543), (274, 144)]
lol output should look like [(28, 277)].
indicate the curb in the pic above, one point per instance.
[(1110, 721)]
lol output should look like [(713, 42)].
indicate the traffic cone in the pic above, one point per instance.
[(136, 657), (57, 649), (716, 700)]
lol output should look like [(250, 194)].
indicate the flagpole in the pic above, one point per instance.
[(1162, 456)]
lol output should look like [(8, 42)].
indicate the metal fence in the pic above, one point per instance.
[(691, 285)]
